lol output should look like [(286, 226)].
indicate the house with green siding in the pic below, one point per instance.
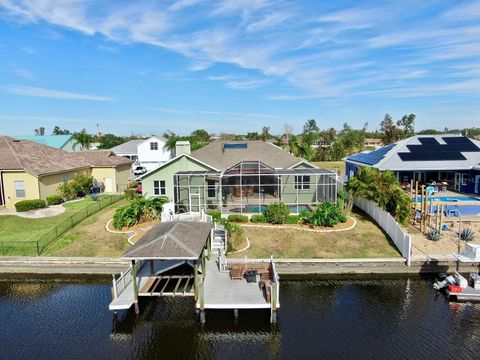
[(239, 177)]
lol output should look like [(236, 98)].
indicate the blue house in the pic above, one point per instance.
[(453, 160)]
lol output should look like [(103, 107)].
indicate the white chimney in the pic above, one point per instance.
[(182, 147)]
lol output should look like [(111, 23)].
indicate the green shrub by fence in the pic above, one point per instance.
[(35, 248), (27, 205)]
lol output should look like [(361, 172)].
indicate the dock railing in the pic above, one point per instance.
[(188, 216), (125, 278), (399, 236)]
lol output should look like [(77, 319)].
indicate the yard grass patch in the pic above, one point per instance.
[(90, 239), (331, 165), (366, 240), (15, 228)]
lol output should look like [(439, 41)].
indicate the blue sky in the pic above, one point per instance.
[(234, 66)]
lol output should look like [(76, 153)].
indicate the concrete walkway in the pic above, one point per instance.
[(52, 210)]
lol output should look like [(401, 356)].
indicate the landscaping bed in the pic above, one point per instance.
[(366, 239)]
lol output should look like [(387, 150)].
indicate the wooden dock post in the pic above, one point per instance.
[(441, 217), (135, 287), (416, 195), (202, 316), (115, 293), (235, 313), (195, 279)]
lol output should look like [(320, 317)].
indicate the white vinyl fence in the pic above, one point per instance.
[(402, 240)]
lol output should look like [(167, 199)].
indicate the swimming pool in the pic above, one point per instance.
[(450, 198), (262, 208)]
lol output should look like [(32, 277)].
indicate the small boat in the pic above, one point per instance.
[(458, 288)]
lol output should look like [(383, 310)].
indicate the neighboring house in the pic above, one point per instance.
[(129, 149), (62, 142), (149, 153), (373, 143), (29, 170), (239, 177), (450, 159)]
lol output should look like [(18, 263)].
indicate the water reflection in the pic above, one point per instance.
[(366, 318)]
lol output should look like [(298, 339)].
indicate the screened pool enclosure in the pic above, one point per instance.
[(250, 186)]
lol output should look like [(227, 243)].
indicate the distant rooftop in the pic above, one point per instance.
[(130, 147), (55, 141)]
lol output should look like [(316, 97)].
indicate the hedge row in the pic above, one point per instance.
[(54, 200), (26, 205)]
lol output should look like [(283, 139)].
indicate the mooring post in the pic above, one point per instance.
[(135, 287), (202, 316), (235, 313), (115, 293)]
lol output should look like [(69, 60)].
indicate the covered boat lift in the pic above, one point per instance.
[(166, 261)]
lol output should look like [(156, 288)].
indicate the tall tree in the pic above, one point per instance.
[(40, 131), (310, 126), (407, 122), (201, 135), (58, 131), (390, 132), (253, 136), (265, 133), (108, 141), (82, 139)]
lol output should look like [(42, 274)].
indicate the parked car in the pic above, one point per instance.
[(139, 170)]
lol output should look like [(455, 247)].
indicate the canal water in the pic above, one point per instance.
[(319, 319)]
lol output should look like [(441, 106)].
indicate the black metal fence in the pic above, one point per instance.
[(37, 247)]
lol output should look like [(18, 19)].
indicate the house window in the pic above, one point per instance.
[(154, 146), (302, 182), (464, 179), (19, 189), (65, 179), (159, 187), (211, 191)]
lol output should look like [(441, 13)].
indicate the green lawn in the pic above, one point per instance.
[(15, 228), (331, 165), (366, 240), (90, 239)]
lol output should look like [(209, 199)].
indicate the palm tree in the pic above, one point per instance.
[(83, 139)]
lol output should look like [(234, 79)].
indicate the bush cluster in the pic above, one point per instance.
[(326, 214), (215, 214), (293, 219), (79, 186), (258, 218), (26, 205), (277, 213), (54, 200), (130, 193), (139, 210), (237, 218)]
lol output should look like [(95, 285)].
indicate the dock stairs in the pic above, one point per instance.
[(219, 243)]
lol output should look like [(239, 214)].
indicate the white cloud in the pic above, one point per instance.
[(182, 4), (52, 94), (24, 73)]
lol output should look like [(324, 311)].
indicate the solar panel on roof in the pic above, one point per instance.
[(372, 157), (430, 149), (235, 146)]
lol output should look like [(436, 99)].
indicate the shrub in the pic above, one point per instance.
[(277, 213), (129, 193), (293, 219), (132, 185), (26, 205), (67, 192), (79, 186), (216, 215), (345, 201), (383, 188), (258, 218), (139, 210), (237, 218), (467, 234), (54, 200), (434, 235), (234, 233), (326, 214)]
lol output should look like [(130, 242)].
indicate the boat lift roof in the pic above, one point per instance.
[(176, 240)]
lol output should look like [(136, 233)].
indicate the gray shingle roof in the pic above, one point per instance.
[(172, 240), (39, 159), (130, 147), (222, 158)]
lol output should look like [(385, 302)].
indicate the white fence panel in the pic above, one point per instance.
[(400, 238)]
